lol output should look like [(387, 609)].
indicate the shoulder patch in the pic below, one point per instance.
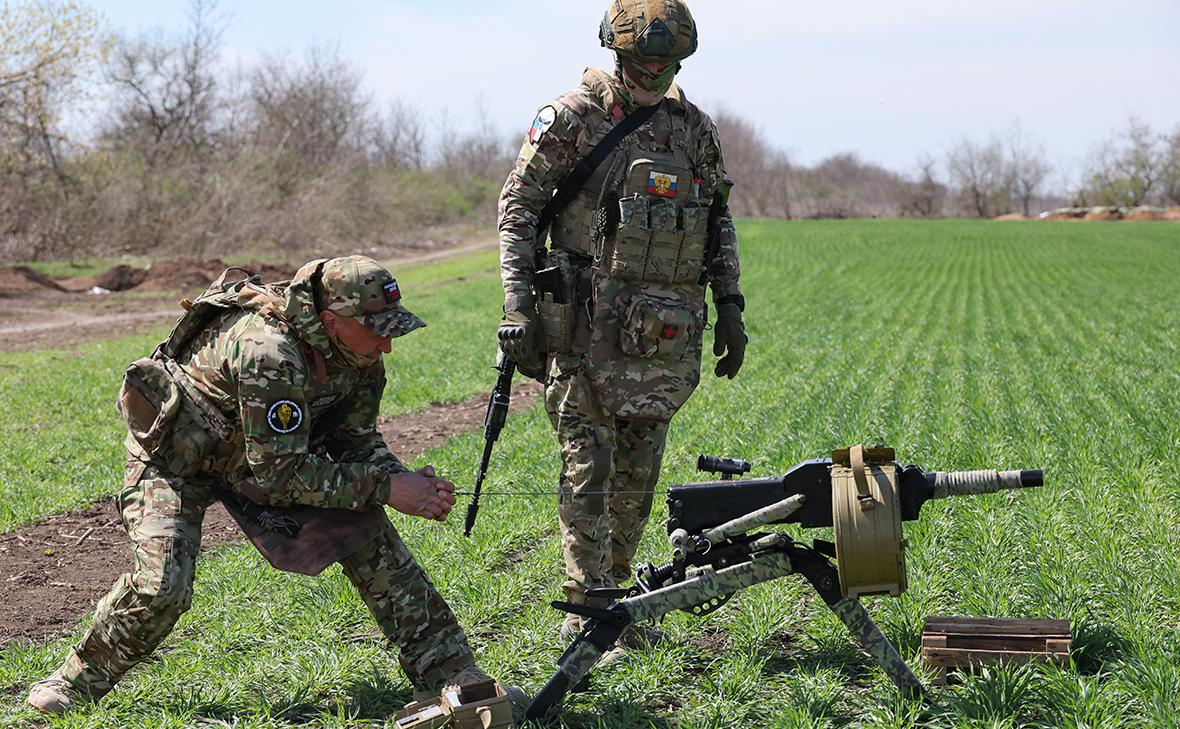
[(545, 118), (284, 416)]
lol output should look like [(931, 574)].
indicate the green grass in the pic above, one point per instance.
[(63, 437), (962, 344)]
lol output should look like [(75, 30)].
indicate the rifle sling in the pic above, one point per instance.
[(568, 189)]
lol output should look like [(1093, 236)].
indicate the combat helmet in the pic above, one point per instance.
[(662, 31)]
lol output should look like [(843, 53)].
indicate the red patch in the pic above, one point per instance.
[(670, 331)]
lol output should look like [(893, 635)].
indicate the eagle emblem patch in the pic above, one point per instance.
[(284, 416), (661, 184)]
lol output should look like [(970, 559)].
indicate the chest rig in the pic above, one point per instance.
[(642, 225)]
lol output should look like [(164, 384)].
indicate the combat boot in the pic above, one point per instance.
[(53, 695)]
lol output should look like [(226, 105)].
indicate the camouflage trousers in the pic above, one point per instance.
[(162, 514), (609, 471)]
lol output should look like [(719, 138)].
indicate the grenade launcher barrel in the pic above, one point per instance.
[(695, 507)]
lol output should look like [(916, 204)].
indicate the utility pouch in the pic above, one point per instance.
[(555, 308), (557, 322), (149, 401), (655, 327)]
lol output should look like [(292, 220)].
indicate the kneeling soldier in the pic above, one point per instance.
[(266, 396)]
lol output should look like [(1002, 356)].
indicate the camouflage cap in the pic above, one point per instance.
[(359, 287)]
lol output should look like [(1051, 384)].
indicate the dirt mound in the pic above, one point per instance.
[(177, 274), (1172, 213), (180, 273), (121, 278), (1013, 216), (1102, 213), (1145, 213), (16, 280)]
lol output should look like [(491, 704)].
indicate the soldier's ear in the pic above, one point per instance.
[(328, 319)]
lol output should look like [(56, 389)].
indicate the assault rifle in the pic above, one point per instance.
[(493, 423), (864, 493)]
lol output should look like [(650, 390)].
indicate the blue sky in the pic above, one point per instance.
[(888, 80)]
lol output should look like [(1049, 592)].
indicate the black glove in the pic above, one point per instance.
[(522, 340), (729, 338)]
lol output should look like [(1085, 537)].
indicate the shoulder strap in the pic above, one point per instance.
[(585, 167), (198, 314)]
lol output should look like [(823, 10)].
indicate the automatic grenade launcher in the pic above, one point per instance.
[(863, 493)]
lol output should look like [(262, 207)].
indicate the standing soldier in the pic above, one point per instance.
[(267, 396), (629, 174)]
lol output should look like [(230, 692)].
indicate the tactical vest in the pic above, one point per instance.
[(174, 423), (643, 223)]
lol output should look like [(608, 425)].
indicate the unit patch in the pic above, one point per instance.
[(670, 331), (284, 416), (392, 292), (544, 120), (324, 400), (661, 184)]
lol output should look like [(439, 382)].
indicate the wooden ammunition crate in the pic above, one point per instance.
[(950, 642)]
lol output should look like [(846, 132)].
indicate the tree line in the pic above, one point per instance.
[(171, 152), (178, 154)]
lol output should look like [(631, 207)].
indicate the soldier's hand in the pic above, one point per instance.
[(422, 493), (520, 338), (729, 338)]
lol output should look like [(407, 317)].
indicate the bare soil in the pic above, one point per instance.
[(53, 572)]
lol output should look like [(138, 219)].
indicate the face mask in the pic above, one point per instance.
[(657, 82)]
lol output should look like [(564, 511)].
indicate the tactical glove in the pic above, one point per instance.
[(729, 338), (522, 340)]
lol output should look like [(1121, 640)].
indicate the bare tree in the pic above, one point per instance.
[(1170, 169), (1127, 168), (924, 197), (47, 49), (762, 172), (980, 175), (483, 152), (167, 90), (1028, 168), (399, 139)]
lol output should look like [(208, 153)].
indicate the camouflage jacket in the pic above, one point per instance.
[(305, 420), (564, 132)]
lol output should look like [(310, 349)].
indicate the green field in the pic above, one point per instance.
[(961, 344)]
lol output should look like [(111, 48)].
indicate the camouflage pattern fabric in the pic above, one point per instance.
[(874, 642), (162, 515), (304, 433), (609, 472), (410, 611), (616, 448)]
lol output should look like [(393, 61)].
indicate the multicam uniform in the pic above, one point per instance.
[(625, 350), (303, 432)]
